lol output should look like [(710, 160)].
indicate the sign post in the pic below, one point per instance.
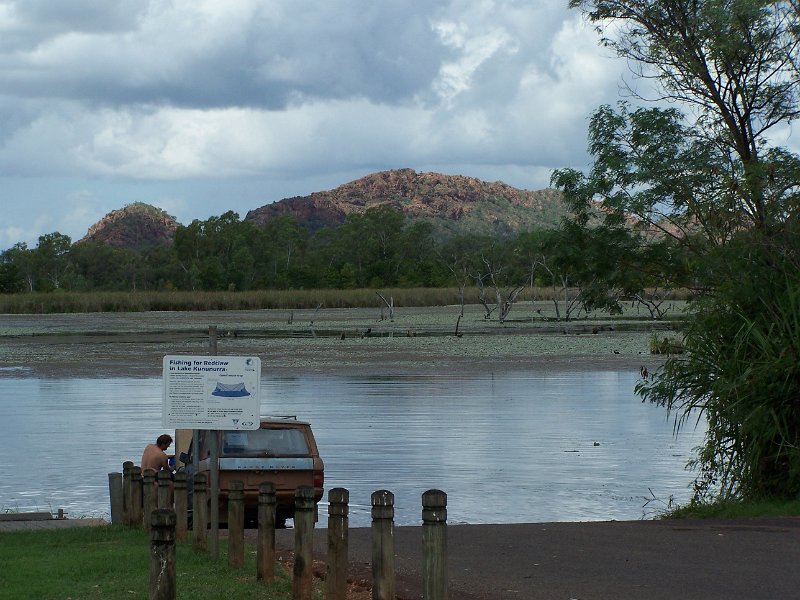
[(212, 393)]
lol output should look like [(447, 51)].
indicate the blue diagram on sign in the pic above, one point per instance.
[(230, 390)]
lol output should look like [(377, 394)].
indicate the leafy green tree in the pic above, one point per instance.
[(282, 251), (50, 259), (383, 226), (729, 199), (217, 253), (373, 248), (742, 371), (161, 269), (11, 280), (19, 259), (99, 266), (351, 245), (323, 254), (599, 267), (417, 263), (730, 61), (347, 276)]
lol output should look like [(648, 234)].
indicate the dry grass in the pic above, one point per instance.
[(69, 302)]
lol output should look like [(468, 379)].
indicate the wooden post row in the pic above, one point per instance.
[(265, 545), (434, 545), (148, 496), (116, 497), (181, 507), (126, 492), (236, 524), (164, 489), (303, 543), (136, 496), (336, 579), (162, 554), (383, 584), (199, 513)]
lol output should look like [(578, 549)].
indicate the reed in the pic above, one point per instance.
[(144, 301)]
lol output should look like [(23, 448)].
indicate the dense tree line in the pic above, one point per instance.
[(380, 248)]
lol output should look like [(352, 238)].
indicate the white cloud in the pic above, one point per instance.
[(546, 108), (209, 89), (189, 101), (13, 234), (473, 51)]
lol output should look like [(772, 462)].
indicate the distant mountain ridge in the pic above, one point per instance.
[(453, 203), (136, 225)]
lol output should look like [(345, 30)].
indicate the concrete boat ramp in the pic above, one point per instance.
[(32, 521)]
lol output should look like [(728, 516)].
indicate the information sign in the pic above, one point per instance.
[(211, 392)]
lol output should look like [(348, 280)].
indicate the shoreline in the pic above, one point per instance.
[(331, 342)]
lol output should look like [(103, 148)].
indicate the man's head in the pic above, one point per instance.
[(164, 441)]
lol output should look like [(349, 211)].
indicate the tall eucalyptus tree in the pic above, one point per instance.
[(707, 173)]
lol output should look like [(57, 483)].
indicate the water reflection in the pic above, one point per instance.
[(506, 448)]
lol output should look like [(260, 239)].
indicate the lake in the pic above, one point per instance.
[(509, 447)]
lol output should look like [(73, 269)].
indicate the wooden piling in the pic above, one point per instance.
[(265, 544), (434, 545), (199, 513), (148, 495), (236, 524), (212, 340), (116, 497), (181, 507), (164, 489), (126, 492), (162, 554), (136, 496), (338, 532), (303, 542), (383, 584)]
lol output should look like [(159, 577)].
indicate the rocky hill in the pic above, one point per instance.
[(452, 203), (137, 225)]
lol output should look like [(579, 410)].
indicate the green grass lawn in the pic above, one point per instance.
[(114, 562)]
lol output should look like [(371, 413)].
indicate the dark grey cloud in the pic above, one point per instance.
[(177, 102), (26, 24), (206, 54), (79, 15)]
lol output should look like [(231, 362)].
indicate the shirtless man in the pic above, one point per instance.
[(155, 456)]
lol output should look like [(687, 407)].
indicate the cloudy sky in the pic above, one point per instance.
[(203, 106)]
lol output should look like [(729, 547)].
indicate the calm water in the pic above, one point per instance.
[(506, 448)]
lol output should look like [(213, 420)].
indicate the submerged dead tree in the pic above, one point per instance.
[(389, 305), (559, 280), (504, 296)]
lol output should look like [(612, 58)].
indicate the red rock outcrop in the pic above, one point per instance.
[(137, 225), (422, 195)]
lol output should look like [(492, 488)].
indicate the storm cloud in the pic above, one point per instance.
[(161, 101)]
